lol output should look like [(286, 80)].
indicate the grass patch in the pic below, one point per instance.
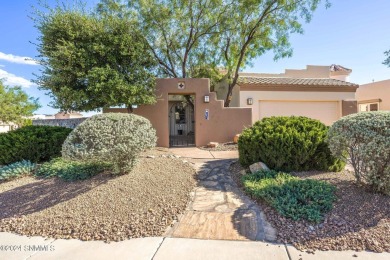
[(71, 170), (290, 196)]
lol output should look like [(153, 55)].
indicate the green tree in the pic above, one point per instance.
[(91, 60), (387, 60), (15, 105), (187, 36)]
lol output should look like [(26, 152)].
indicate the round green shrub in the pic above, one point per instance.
[(288, 144), (32, 143), (113, 137), (364, 140)]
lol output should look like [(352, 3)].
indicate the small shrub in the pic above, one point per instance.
[(290, 196), (112, 137), (16, 170), (364, 140), (288, 144), (70, 170), (33, 143)]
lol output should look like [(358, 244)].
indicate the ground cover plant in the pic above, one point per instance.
[(16, 170), (71, 170), (33, 143), (288, 144), (364, 140), (290, 196), (112, 137)]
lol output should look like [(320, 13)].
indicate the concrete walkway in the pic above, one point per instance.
[(196, 153), (15, 247)]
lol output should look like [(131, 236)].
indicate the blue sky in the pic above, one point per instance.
[(352, 33)]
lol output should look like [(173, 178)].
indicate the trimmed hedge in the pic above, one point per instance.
[(364, 140), (113, 137), (32, 143), (290, 196), (288, 144)]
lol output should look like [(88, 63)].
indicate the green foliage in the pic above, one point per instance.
[(15, 104), (71, 170), (16, 170), (33, 143), (364, 140), (387, 60), (290, 196), (92, 61), (288, 144), (112, 137), (186, 35)]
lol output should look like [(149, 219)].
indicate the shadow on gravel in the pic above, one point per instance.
[(43, 194)]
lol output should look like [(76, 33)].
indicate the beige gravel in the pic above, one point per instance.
[(142, 203), (360, 219)]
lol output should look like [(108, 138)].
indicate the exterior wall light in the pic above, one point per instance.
[(206, 99), (249, 101)]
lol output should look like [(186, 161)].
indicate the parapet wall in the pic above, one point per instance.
[(69, 123)]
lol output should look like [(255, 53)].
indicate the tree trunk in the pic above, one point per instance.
[(129, 109)]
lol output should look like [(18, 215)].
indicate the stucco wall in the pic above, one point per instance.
[(374, 91), (292, 96), (222, 125)]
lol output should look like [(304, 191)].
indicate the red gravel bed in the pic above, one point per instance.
[(359, 220)]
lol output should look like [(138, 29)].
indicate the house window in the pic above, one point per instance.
[(369, 107)]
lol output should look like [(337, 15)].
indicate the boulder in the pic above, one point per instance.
[(235, 139), (212, 145), (259, 166)]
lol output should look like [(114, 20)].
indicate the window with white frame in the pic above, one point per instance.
[(369, 107)]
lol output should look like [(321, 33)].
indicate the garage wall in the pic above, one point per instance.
[(304, 96)]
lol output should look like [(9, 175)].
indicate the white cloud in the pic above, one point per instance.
[(17, 59), (13, 80)]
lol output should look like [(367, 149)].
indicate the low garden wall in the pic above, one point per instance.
[(69, 123)]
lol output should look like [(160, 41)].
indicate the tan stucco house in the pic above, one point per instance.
[(319, 92), (374, 96), (187, 113)]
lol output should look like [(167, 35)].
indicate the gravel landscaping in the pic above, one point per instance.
[(222, 147), (360, 220), (143, 203)]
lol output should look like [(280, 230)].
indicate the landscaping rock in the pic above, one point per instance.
[(259, 166), (243, 172), (212, 145), (235, 139), (142, 203)]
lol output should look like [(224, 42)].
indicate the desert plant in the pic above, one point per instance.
[(288, 144), (71, 170), (16, 170), (364, 140), (290, 196), (113, 137), (33, 143)]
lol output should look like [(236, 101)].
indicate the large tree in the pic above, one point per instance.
[(387, 60), (198, 38), (15, 105), (93, 60)]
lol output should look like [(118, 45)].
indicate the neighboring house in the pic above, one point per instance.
[(35, 117), (319, 92), (5, 127), (67, 115), (374, 96)]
